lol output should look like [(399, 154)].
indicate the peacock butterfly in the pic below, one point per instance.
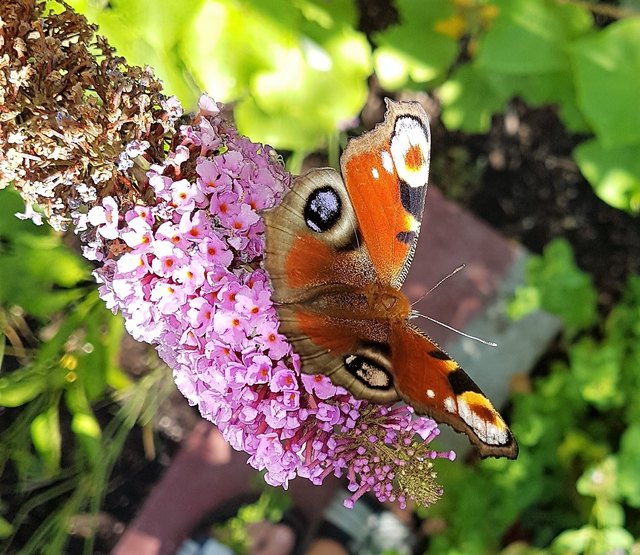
[(337, 252)]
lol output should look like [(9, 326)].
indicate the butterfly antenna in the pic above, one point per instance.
[(483, 341), (445, 278)]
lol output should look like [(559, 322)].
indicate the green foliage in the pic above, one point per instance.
[(297, 70), (52, 379), (270, 506), (546, 52), (414, 52), (556, 284), (574, 488)]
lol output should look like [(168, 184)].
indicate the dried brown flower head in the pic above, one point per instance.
[(76, 122)]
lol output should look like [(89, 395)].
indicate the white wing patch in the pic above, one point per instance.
[(450, 405), (387, 162), (410, 151), (375, 173), (488, 432)]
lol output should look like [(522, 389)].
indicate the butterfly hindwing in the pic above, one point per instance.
[(434, 384), (344, 347)]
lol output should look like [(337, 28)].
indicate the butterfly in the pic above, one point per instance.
[(337, 252)]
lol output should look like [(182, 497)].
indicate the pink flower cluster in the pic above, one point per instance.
[(186, 275)]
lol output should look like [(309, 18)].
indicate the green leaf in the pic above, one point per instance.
[(469, 100), (574, 541), (21, 386), (614, 172), (88, 431), (608, 513), (83, 422), (615, 540), (596, 368), (542, 89), (93, 357), (297, 70), (526, 300), (600, 480), (6, 529), (607, 77), (45, 434), (413, 50), (629, 465), (564, 290), (531, 37), (325, 98), (148, 33), (37, 272)]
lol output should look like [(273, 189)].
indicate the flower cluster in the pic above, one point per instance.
[(185, 272)]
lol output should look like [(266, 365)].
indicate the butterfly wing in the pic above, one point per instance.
[(321, 275), (333, 246), (433, 383), (385, 173), (352, 352), (313, 240)]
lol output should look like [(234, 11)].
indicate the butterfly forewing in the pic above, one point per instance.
[(386, 172)]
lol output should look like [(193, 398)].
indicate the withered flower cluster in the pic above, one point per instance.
[(68, 107)]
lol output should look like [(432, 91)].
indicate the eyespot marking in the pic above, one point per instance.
[(368, 372), (323, 209), (473, 408), (410, 148)]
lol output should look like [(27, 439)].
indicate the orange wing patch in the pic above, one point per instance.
[(309, 262), (375, 196), (434, 384), (414, 159)]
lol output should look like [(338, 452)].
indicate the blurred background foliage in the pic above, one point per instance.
[(298, 74), (297, 70)]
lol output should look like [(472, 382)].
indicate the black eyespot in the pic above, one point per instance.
[(323, 209), (368, 372)]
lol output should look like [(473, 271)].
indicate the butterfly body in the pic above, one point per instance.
[(337, 252)]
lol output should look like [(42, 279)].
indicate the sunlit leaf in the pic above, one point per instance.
[(614, 172), (607, 74), (629, 464), (563, 289), (21, 386), (543, 89), (45, 434), (469, 100), (596, 368), (6, 529), (413, 50), (574, 541), (531, 37)]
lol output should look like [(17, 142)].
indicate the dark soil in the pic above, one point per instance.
[(530, 189)]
